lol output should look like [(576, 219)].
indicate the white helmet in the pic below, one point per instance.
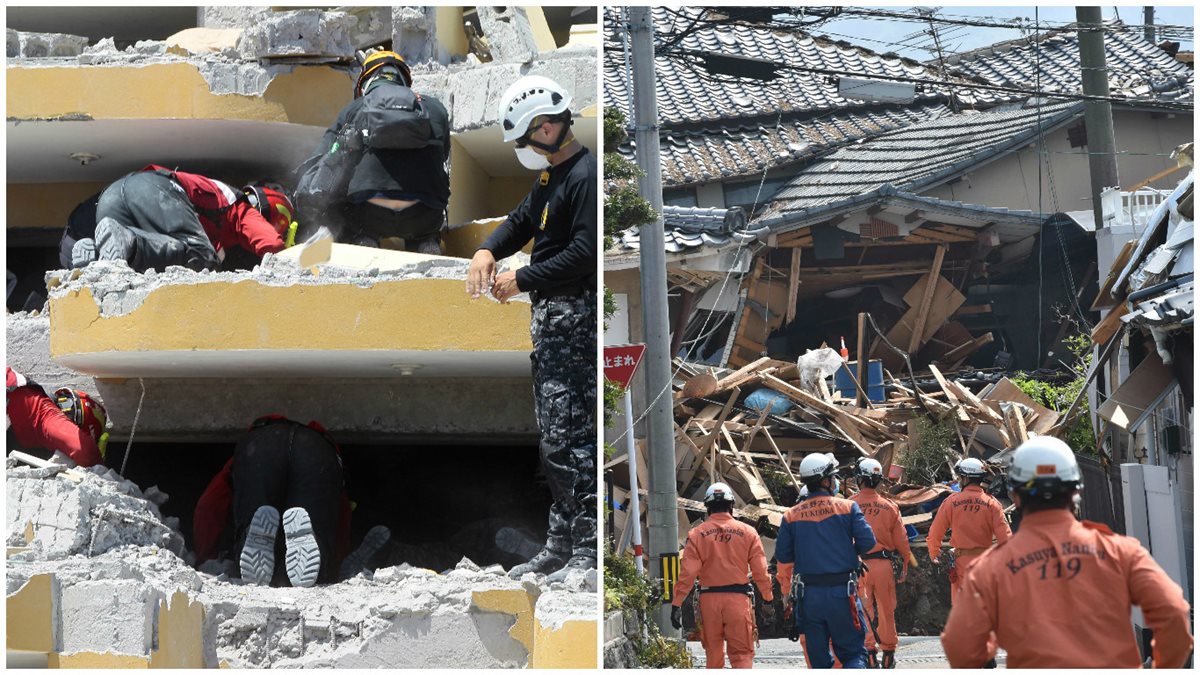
[(527, 98), (817, 466), (1044, 465), (868, 467), (803, 494), (718, 492), (970, 468)]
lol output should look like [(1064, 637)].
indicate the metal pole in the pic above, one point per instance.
[(663, 527), (1148, 19), (635, 501), (1097, 116)]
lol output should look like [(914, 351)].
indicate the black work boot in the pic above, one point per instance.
[(545, 562), (430, 245), (889, 660), (577, 562)]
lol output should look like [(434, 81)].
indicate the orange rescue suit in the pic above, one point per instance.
[(974, 517), (723, 552), (1058, 595), (878, 587)]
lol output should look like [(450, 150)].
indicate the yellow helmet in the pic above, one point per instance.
[(377, 60)]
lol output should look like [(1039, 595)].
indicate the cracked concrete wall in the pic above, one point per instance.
[(112, 607)]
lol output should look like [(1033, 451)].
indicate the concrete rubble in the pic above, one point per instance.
[(116, 563), (271, 44)]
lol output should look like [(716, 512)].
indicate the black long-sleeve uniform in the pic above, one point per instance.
[(560, 217)]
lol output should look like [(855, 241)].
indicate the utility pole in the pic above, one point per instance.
[(1148, 20), (1097, 116), (663, 526)]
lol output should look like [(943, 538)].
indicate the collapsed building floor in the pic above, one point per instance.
[(442, 451)]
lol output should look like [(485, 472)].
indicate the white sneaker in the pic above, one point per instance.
[(257, 561), (303, 558)]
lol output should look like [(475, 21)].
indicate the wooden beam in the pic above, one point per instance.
[(876, 209), (914, 216), (793, 287), (956, 355), (863, 359), (918, 328)]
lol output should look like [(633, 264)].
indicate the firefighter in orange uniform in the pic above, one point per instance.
[(879, 584), (1058, 594), (723, 552), (973, 517)]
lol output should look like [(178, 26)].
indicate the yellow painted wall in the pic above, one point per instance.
[(45, 204), (97, 660), (311, 95), (515, 602), (469, 186), (30, 615), (409, 314), (452, 39), (505, 192), (180, 631), (542, 36), (573, 645)]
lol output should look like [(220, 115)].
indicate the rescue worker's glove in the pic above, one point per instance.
[(768, 613), (677, 616)]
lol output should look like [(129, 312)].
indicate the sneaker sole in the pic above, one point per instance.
[(257, 561), (371, 544), (303, 558)]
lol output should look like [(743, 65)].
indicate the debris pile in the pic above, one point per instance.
[(751, 427), (119, 587)]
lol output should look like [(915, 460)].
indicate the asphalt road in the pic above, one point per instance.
[(913, 652)]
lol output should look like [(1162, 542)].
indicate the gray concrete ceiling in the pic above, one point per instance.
[(301, 363), (236, 151), (124, 24)]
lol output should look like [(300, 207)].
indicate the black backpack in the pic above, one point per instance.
[(394, 117)]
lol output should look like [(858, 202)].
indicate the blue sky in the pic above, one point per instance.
[(884, 35)]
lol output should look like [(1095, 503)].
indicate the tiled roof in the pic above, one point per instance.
[(687, 228), (687, 94), (913, 158), (1137, 67), (735, 150)]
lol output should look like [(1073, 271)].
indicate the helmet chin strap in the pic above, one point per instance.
[(552, 148)]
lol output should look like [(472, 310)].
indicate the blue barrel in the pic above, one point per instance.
[(873, 385)]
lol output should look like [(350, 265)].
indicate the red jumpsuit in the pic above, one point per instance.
[(37, 422), (720, 551), (878, 587), (974, 518), (1058, 595)]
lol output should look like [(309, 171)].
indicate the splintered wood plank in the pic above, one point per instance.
[(918, 332), (735, 378), (786, 465), (793, 285)]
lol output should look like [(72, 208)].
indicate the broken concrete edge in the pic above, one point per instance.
[(119, 290), (470, 92), (83, 569)]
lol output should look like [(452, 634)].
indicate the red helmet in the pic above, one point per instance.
[(86, 412), (273, 205)]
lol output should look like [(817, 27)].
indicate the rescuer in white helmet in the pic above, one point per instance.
[(721, 552), (1058, 594)]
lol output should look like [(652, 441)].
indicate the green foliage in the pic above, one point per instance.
[(633, 593), (617, 167), (612, 399), (923, 461), (614, 129), (780, 485), (1059, 396)]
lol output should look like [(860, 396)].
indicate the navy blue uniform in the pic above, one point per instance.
[(820, 539)]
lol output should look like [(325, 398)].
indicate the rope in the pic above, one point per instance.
[(136, 416)]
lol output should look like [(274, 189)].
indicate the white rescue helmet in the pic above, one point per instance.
[(869, 467), (527, 98), (817, 466), (718, 492), (1044, 466), (970, 468), (803, 494)]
